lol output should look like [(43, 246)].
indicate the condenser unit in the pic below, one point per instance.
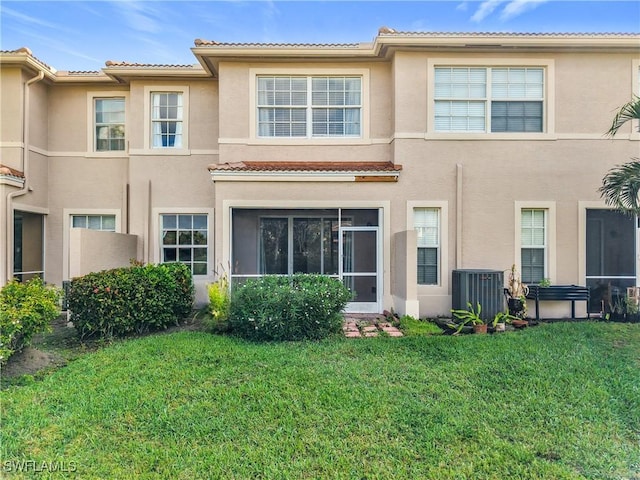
[(478, 286)]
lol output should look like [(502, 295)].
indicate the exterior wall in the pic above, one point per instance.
[(478, 181), (93, 251)]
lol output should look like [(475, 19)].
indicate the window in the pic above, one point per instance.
[(185, 240), (481, 99), (300, 106), (166, 119), (426, 222), (94, 222), (533, 245), (109, 124)]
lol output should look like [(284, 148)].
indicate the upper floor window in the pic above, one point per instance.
[(166, 119), (309, 106), (426, 222), (489, 99), (109, 124)]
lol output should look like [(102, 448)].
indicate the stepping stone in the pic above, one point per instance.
[(355, 334), (371, 334)]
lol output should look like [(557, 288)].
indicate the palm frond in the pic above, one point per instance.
[(629, 111), (620, 187)]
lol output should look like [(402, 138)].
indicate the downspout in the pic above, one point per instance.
[(25, 170), (459, 262)]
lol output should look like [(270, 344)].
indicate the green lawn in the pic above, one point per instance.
[(555, 401)]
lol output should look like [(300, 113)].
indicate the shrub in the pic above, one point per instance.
[(25, 309), (128, 300), (288, 308), (219, 304)]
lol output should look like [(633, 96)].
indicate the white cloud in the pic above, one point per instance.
[(485, 9), (517, 7), (462, 7)]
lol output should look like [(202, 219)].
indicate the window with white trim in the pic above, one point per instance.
[(166, 119), (185, 239), (109, 122), (105, 223), (426, 222), (489, 99), (533, 251), (309, 106)]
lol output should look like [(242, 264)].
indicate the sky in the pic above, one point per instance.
[(82, 35)]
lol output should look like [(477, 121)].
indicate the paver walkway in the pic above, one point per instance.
[(358, 327)]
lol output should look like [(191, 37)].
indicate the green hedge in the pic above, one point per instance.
[(128, 300), (288, 308), (25, 309)]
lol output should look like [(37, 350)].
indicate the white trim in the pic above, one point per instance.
[(12, 181), (156, 244), (66, 226), (365, 107), (548, 121), (294, 176), (147, 143), (91, 98), (550, 260), (442, 288)]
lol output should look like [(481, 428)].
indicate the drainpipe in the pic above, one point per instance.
[(459, 262), (25, 170)]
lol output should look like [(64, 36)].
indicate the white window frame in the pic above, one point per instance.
[(309, 107), (548, 107), (91, 123), (191, 246), (549, 209), (438, 241), (362, 138), (442, 286), (148, 120), (156, 246)]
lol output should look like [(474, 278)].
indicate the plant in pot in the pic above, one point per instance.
[(470, 316), (499, 322), (516, 294)]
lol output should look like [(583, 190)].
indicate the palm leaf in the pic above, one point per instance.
[(629, 111), (620, 187)]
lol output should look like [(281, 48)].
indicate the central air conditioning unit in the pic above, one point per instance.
[(478, 286)]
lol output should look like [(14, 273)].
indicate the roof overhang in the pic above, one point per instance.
[(305, 172)]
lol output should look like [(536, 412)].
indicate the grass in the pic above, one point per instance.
[(557, 401)]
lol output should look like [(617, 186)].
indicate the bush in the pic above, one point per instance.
[(128, 300), (25, 309), (219, 305), (288, 308)]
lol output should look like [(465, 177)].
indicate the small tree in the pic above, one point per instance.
[(621, 185)]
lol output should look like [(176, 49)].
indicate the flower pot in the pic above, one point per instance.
[(519, 323), (500, 327), (482, 328)]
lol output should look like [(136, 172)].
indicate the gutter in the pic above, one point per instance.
[(25, 170)]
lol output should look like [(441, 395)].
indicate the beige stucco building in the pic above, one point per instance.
[(387, 164)]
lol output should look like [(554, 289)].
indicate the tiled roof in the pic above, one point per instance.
[(307, 167), (10, 172), (212, 43), (116, 64), (27, 51), (389, 32)]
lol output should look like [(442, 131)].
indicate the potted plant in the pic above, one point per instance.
[(472, 317), (499, 322), (517, 294)]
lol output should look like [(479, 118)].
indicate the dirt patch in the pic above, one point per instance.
[(31, 360), (55, 348)]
